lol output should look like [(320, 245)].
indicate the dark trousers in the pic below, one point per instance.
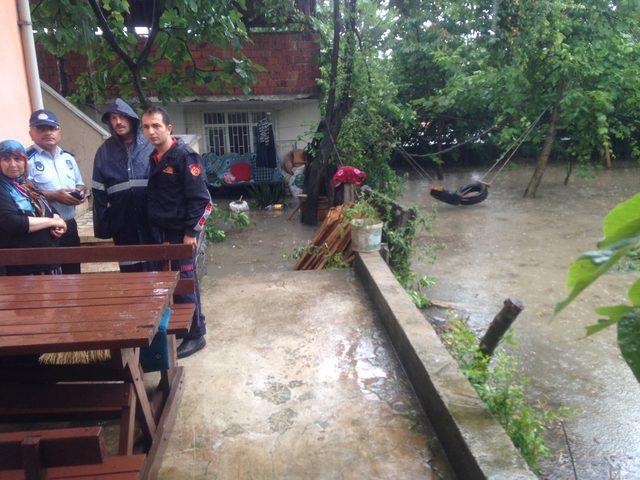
[(70, 239), (187, 270)]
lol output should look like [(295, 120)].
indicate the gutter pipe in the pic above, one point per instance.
[(29, 49)]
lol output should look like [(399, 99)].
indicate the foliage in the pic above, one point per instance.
[(621, 228), (500, 385), (126, 54), (330, 259), (362, 211), (220, 221), (466, 66), (265, 194)]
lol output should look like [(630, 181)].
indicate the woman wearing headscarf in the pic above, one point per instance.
[(26, 218)]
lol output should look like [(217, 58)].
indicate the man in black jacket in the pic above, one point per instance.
[(178, 205), (119, 181)]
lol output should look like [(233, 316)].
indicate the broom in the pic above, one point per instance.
[(75, 358)]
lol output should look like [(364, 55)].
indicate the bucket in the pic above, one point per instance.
[(365, 238)]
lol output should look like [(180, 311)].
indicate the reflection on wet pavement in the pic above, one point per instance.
[(510, 246)]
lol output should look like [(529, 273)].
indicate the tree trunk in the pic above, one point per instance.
[(607, 156), (500, 324), (543, 159), (62, 76), (569, 171), (440, 134)]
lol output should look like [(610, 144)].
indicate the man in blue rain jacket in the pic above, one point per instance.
[(119, 182)]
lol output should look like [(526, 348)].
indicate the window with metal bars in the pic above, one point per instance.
[(231, 132)]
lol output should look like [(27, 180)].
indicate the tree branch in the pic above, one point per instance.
[(109, 37), (335, 53), (158, 10)]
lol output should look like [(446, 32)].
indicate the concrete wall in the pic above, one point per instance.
[(293, 120), (14, 89), (80, 134)]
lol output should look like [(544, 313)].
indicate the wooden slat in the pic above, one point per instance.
[(95, 313), (43, 256), (121, 292), (102, 277), (33, 344), (181, 317), (36, 399), (67, 446), (49, 288), (82, 302), (113, 468)]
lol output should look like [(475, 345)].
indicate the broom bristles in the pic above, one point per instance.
[(75, 358)]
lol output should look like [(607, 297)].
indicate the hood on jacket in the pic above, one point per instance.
[(120, 107)]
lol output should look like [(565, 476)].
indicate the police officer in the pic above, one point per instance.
[(55, 173), (179, 205), (119, 182)]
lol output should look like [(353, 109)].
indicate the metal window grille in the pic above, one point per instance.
[(231, 132)]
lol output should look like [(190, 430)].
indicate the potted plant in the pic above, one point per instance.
[(366, 226)]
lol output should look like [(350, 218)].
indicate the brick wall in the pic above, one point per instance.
[(290, 60)]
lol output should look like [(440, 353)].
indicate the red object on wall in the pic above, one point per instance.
[(290, 60), (242, 171)]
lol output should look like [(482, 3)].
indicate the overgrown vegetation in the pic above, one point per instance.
[(500, 384), (221, 221), (331, 260), (265, 194)]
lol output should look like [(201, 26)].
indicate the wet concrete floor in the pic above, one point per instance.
[(298, 379), (510, 246)]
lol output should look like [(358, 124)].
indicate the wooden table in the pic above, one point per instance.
[(115, 311)]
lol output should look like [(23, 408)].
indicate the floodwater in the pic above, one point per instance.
[(508, 246)]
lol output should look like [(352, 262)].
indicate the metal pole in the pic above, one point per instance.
[(30, 58)]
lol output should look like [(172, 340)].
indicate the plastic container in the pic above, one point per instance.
[(365, 238), (239, 206)]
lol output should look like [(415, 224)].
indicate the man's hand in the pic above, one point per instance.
[(62, 196), (193, 241)]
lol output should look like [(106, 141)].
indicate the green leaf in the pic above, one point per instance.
[(601, 325), (591, 265), (614, 312), (629, 341), (622, 222), (634, 293)]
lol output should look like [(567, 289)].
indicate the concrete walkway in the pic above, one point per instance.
[(298, 381)]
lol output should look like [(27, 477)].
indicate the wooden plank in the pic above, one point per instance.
[(82, 302), (93, 313), (35, 344), (181, 318), (75, 327), (109, 469), (185, 286), (121, 292), (88, 277), (165, 425), (51, 288), (65, 446), (35, 399), (39, 256)]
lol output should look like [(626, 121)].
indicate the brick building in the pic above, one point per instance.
[(287, 91)]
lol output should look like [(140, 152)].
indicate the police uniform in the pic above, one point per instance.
[(54, 172), (179, 203)]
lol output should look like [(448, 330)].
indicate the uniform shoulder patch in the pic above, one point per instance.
[(69, 164), (39, 166), (195, 169)]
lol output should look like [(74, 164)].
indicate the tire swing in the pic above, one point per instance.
[(469, 194)]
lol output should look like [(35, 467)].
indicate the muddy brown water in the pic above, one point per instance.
[(508, 246)]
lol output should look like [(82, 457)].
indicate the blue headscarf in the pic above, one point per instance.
[(21, 193)]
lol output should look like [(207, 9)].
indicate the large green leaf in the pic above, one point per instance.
[(621, 222), (591, 265), (601, 325), (634, 293), (629, 341)]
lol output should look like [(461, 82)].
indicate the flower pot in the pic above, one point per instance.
[(365, 238)]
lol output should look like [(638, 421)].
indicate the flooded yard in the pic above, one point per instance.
[(508, 246)]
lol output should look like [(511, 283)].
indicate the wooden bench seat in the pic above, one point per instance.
[(69, 453), (181, 316)]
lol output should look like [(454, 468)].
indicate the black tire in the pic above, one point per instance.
[(473, 193)]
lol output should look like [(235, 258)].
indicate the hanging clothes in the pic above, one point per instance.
[(266, 148)]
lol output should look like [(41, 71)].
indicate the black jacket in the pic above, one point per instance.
[(178, 198), (14, 233), (119, 184)]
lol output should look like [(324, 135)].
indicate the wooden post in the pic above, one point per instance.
[(500, 324)]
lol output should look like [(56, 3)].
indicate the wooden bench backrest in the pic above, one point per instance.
[(99, 254), (51, 448), (110, 253)]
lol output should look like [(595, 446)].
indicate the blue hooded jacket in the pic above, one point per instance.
[(119, 183)]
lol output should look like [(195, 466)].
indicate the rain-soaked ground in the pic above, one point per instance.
[(510, 246), (299, 379)]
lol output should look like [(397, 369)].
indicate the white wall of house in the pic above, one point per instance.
[(294, 121)]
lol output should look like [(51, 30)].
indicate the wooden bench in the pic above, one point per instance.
[(70, 453), (44, 399)]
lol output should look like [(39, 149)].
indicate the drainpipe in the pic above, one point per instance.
[(29, 49)]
